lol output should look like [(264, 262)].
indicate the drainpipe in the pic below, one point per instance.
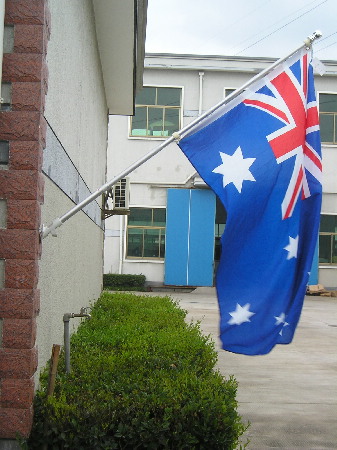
[(66, 320), (121, 237), (201, 79)]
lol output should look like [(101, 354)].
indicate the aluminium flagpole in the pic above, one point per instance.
[(51, 229)]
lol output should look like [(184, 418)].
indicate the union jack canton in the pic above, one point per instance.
[(298, 111), (261, 155)]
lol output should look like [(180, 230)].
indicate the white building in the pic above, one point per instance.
[(170, 209)]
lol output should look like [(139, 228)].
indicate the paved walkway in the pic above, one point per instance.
[(290, 395)]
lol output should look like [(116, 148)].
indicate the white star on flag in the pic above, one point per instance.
[(292, 247), (240, 315), (235, 169), (281, 319)]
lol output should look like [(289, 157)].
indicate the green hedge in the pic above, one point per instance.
[(141, 379), (116, 282)]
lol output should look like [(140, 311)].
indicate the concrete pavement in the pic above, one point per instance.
[(290, 395)]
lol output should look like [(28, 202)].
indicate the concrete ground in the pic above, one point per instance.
[(290, 395)]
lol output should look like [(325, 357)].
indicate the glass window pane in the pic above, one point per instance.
[(328, 223), (325, 248), (147, 96), (140, 216), (135, 242), (139, 122), (217, 249), (159, 217), (219, 229), (162, 244), (334, 249), (146, 241), (156, 121), (326, 127), (171, 121), (221, 213), (229, 91), (328, 102), (151, 243), (168, 96)]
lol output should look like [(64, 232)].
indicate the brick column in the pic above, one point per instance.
[(23, 126)]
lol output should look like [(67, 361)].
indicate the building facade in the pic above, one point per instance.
[(66, 67), (168, 235)]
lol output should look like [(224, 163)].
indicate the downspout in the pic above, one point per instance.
[(201, 80), (121, 237)]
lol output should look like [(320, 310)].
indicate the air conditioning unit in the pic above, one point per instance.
[(121, 194), (116, 199)]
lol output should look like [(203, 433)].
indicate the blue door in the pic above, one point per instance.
[(189, 247)]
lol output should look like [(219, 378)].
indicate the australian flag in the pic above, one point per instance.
[(261, 155)]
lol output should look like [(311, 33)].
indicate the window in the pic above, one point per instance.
[(229, 91), (146, 233), (328, 117), (328, 239), (158, 112)]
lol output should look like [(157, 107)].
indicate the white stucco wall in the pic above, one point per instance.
[(70, 270), (327, 276), (75, 105), (71, 265), (329, 158)]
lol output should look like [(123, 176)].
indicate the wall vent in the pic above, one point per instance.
[(121, 194)]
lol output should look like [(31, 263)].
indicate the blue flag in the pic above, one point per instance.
[(261, 155)]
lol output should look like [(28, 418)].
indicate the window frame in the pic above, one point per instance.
[(180, 108), (331, 234), (233, 89), (326, 143), (162, 233)]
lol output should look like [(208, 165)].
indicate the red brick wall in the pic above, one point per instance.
[(22, 187)]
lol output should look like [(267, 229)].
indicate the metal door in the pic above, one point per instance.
[(189, 247)]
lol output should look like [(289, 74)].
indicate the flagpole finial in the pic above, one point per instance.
[(310, 39)]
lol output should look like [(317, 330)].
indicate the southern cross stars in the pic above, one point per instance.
[(235, 169), (281, 319), (292, 247), (240, 315)]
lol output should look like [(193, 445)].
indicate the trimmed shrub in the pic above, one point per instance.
[(141, 379), (121, 282)]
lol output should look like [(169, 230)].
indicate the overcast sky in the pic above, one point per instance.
[(241, 27)]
